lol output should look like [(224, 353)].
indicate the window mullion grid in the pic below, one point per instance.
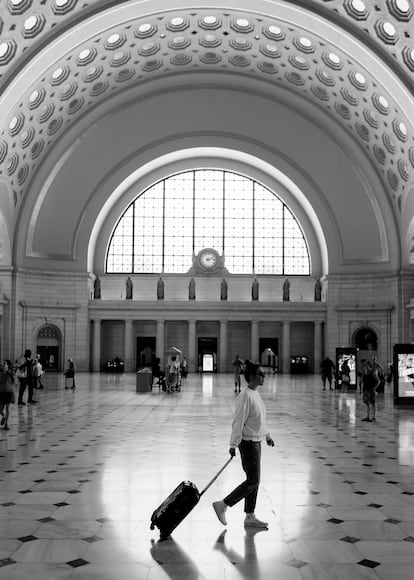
[(286, 217)]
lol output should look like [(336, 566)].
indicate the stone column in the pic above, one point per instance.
[(96, 346), (286, 347), (254, 340), (223, 347), (129, 346), (160, 348), (317, 345), (192, 362)]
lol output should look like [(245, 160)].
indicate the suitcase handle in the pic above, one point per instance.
[(210, 483)]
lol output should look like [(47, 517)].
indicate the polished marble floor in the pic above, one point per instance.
[(82, 471)]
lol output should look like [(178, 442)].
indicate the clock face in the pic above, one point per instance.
[(208, 259)]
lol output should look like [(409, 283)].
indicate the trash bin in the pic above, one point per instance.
[(144, 380)]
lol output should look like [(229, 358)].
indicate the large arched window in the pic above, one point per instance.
[(206, 208)]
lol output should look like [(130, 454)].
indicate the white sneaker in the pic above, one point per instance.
[(220, 509), (252, 520)]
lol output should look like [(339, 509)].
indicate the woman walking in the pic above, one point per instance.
[(248, 430)]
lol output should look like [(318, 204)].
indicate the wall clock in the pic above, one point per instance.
[(208, 260)]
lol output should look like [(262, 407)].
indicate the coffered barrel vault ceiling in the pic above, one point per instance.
[(237, 41)]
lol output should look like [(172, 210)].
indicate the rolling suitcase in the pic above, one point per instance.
[(69, 382), (179, 504)]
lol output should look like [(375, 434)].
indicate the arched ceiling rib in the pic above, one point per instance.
[(230, 41)]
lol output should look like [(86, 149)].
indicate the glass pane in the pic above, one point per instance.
[(187, 212)]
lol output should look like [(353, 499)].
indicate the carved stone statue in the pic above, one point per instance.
[(160, 288), (191, 290), (318, 290), (286, 290), (223, 290), (255, 290), (129, 289), (97, 288)]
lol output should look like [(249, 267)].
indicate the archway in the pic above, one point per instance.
[(48, 346), (366, 339), (366, 342)]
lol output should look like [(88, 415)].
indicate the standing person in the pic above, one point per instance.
[(70, 373), (172, 374), (157, 373), (7, 395), (37, 373), (345, 376), (327, 370), (184, 367), (378, 369), (238, 371), (248, 429), (370, 382), (25, 375)]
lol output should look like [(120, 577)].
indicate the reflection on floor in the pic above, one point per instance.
[(82, 471)]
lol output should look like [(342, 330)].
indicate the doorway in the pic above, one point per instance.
[(48, 346), (49, 357), (145, 353), (207, 354), (366, 339), (269, 353)]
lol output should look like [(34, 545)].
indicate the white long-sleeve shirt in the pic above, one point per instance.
[(249, 420)]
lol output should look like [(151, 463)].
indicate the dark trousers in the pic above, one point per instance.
[(324, 377), (250, 452), (22, 387)]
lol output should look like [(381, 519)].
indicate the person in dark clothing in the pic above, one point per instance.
[(25, 376), (327, 370), (345, 376), (70, 375), (370, 382), (158, 373), (6, 392)]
